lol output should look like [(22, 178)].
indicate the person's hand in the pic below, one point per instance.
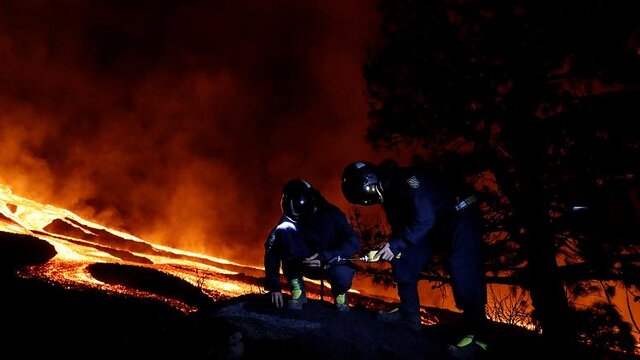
[(276, 299), (312, 261), (385, 253)]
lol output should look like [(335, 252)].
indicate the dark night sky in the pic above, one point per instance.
[(179, 121)]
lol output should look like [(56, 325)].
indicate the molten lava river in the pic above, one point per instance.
[(80, 244)]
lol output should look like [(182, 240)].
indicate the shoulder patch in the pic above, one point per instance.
[(413, 182)]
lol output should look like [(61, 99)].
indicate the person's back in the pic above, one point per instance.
[(327, 233), (408, 188)]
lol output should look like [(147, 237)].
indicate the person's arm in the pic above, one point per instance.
[(272, 263), (348, 242), (423, 220)]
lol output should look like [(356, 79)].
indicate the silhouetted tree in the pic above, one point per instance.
[(537, 102)]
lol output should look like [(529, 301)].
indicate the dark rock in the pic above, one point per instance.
[(319, 331), (150, 280), (17, 250)]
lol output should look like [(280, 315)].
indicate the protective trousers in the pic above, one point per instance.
[(465, 265)]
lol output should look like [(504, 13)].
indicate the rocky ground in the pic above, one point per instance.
[(42, 319)]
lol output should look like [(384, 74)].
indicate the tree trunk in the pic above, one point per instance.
[(543, 278)]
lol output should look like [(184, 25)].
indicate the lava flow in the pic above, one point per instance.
[(83, 246)]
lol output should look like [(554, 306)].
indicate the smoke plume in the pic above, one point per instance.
[(179, 121)]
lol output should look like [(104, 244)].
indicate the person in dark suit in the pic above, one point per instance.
[(422, 207), (305, 242)]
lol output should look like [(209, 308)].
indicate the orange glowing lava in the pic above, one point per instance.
[(79, 243)]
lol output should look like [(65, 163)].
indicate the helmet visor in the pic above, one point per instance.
[(299, 199), (361, 189)]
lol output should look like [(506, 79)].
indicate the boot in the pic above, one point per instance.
[(397, 316), (469, 348), (298, 295), (341, 302)]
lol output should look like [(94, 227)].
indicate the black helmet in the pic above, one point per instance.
[(299, 199), (360, 184)]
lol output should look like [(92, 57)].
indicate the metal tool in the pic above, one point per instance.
[(466, 202), (368, 257)]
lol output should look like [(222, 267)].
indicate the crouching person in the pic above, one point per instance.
[(307, 240)]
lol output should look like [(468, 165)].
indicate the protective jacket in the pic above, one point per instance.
[(414, 199), (326, 232)]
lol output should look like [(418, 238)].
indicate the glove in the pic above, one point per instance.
[(276, 299), (312, 261), (385, 253)]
